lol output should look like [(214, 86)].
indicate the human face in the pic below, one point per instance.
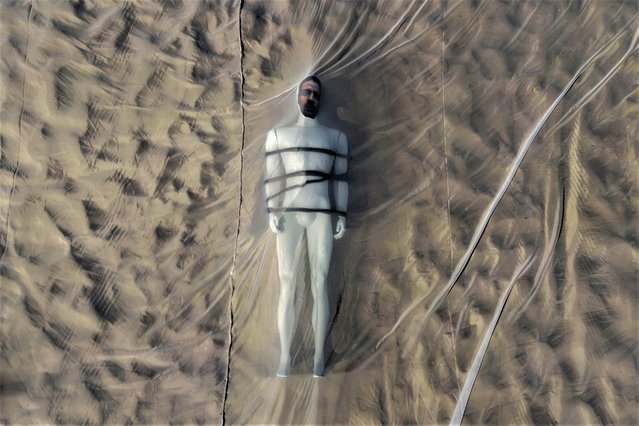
[(308, 99)]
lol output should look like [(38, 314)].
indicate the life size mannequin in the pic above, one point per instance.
[(302, 163)]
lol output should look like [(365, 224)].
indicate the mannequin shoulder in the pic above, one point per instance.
[(341, 143), (272, 139), (336, 135)]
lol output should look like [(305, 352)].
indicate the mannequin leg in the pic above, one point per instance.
[(320, 246), (288, 255)]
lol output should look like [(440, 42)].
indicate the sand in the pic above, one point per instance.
[(139, 276)]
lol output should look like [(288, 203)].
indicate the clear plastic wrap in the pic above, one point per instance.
[(488, 273)]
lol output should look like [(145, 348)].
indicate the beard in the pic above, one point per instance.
[(309, 110)]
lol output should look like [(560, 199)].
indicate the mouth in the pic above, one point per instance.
[(309, 108)]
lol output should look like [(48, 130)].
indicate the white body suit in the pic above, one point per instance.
[(303, 162)]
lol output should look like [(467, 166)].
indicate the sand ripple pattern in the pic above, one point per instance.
[(489, 272)]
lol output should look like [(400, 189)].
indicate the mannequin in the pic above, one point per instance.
[(302, 162)]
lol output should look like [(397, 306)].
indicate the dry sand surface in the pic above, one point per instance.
[(493, 204)]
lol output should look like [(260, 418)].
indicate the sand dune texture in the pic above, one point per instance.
[(489, 272)]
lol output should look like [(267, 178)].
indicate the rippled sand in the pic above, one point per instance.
[(493, 205)]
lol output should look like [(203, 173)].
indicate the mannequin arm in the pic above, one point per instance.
[(274, 168), (340, 185)]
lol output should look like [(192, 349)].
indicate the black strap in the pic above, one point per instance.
[(289, 188), (315, 173), (303, 210), (323, 176), (308, 149)]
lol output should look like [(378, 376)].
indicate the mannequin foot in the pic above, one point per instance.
[(318, 371), (284, 370)]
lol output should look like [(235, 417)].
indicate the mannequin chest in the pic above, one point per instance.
[(307, 148)]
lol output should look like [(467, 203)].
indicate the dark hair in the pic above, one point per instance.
[(312, 78)]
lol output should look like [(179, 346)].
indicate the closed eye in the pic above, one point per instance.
[(307, 92)]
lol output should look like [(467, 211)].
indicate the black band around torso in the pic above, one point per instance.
[(307, 149), (321, 177), (303, 210)]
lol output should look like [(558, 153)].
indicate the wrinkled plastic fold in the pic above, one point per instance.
[(488, 272)]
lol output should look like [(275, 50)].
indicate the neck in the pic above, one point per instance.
[(304, 121)]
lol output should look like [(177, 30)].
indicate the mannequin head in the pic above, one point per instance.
[(308, 96)]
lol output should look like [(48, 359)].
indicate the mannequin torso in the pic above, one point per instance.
[(290, 143)]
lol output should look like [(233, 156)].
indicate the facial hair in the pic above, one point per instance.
[(309, 110)]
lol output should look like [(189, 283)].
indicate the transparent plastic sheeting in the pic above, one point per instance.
[(489, 270)]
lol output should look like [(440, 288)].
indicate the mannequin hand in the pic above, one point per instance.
[(275, 223), (340, 228)]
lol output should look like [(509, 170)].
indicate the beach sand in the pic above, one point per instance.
[(139, 276)]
